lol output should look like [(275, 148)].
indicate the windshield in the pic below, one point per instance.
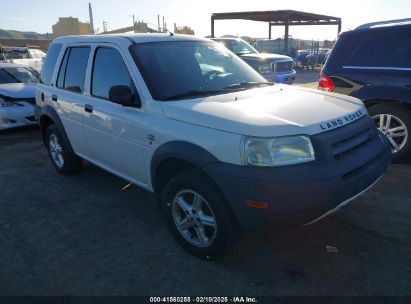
[(238, 47), (16, 53), (187, 69), (37, 54), (18, 75)]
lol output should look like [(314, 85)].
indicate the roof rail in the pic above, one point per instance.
[(393, 22)]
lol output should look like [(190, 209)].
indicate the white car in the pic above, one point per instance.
[(17, 95), (31, 57), (223, 149)]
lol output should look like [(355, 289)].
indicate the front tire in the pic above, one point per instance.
[(61, 156), (198, 216), (395, 122)]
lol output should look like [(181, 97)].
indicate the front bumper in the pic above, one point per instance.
[(13, 117), (300, 194), (286, 78)]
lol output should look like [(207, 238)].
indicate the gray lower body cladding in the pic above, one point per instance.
[(348, 160)]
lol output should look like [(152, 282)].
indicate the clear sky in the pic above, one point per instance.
[(38, 16)]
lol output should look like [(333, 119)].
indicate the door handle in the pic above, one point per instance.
[(54, 97), (88, 108)]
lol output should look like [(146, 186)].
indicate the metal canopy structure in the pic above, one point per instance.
[(284, 18)]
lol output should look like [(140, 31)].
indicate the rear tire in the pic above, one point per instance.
[(396, 125), (60, 154), (198, 215)]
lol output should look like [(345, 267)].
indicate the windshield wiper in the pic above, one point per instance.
[(248, 84), (228, 89), (197, 93)]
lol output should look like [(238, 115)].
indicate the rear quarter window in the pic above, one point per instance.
[(49, 63), (388, 47)]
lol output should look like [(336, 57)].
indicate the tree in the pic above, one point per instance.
[(184, 30)]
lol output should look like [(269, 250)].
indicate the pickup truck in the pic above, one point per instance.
[(273, 67)]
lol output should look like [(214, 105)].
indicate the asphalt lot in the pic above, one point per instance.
[(84, 235), (308, 78)]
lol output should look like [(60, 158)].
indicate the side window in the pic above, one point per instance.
[(73, 68), (62, 71), (390, 48), (109, 70), (48, 66)]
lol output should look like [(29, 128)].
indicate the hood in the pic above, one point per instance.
[(17, 90), (265, 56), (273, 111)]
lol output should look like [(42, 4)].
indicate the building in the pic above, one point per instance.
[(139, 27), (70, 26), (183, 30)]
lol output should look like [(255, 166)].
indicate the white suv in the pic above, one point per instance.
[(223, 150)]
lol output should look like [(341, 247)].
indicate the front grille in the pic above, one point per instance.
[(283, 66), (350, 144), (352, 150)]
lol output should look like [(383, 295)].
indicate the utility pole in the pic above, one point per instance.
[(90, 11), (163, 26), (158, 22)]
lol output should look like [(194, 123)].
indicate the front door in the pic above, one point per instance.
[(114, 133)]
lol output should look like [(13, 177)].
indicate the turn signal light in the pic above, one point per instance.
[(256, 204)]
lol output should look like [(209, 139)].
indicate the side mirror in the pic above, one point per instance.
[(122, 95)]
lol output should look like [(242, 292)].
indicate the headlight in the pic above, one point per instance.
[(265, 68), (278, 151)]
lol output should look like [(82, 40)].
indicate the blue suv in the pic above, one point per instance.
[(373, 63)]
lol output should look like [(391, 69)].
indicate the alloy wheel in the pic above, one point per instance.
[(394, 128), (56, 151), (194, 218)]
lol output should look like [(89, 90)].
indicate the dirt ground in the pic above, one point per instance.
[(84, 235)]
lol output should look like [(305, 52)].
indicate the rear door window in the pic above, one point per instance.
[(72, 72), (384, 48)]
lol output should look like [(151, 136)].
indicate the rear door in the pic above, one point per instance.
[(114, 132), (68, 97), (44, 88)]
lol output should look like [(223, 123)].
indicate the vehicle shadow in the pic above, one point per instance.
[(92, 234)]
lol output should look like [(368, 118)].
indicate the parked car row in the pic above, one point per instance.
[(311, 58)]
